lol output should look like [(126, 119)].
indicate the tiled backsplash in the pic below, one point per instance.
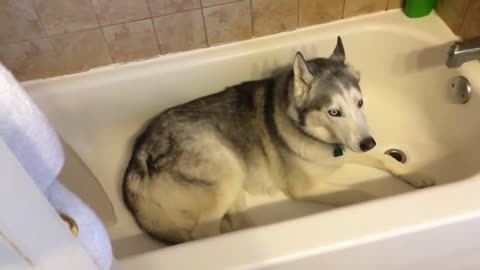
[(462, 16), (44, 38)]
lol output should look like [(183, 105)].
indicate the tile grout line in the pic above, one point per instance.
[(178, 12), (153, 26), (99, 27), (298, 14), (464, 15), (202, 10), (343, 10), (112, 24), (47, 38), (251, 19), (204, 24), (44, 32), (42, 28), (101, 30), (221, 4)]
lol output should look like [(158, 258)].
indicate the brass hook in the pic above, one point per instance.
[(71, 223)]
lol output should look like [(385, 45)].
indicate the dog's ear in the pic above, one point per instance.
[(302, 77), (339, 52)]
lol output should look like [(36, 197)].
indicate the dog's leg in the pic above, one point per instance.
[(237, 214), (328, 193), (227, 174), (387, 163), (209, 220)]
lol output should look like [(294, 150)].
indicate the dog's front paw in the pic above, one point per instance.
[(417, 180)]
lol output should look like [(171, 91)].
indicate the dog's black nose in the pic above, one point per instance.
[(367, 144)]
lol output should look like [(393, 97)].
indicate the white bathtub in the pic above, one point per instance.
[(405, 85)]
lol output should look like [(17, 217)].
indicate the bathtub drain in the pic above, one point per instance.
[(397, 154), (461, 90)]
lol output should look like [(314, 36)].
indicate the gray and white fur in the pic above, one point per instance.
[(193, 163)]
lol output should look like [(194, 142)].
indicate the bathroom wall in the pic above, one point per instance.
[(44, 38), (462, 16)]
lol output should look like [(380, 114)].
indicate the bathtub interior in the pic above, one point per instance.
[(404, 82)]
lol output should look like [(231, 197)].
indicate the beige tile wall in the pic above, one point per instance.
[(44, 38), (462, 16), (471, 22), (360, 7), (316, 12)]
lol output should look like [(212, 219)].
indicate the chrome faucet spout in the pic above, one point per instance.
[(463, 51)]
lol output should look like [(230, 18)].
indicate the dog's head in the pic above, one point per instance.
[(327, 103)]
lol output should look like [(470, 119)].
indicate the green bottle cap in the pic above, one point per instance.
[(418, 8)]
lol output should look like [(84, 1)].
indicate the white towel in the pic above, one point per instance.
[(91, 233), (26, 131), (36, 145)]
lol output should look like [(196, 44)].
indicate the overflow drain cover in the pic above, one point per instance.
[(397, 154)]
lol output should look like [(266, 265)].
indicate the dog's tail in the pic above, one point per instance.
[(135, 175), (150, 155)]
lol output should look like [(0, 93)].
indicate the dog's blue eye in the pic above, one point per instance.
[(335, 113)]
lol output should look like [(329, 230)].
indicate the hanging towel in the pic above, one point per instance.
[(35, 144)]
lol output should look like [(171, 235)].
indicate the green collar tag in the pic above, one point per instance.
[(337, 150)]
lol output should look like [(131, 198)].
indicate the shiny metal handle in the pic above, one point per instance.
[(469, 44), (463, 51)]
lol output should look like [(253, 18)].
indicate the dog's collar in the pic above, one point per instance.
[(338, 150)]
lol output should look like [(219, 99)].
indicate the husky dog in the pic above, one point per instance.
[(193, 163)]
